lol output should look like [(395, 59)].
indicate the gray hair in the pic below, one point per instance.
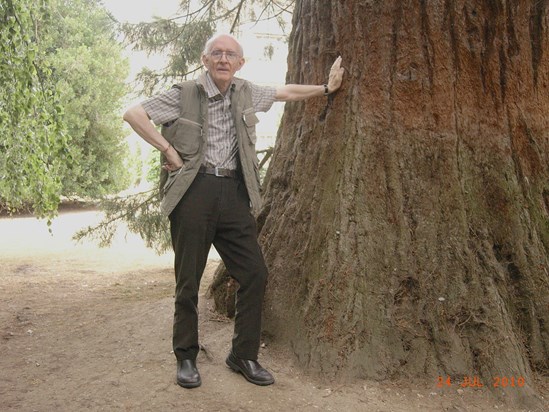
[(210, 42)]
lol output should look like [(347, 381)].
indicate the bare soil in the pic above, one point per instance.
[(84, 328)]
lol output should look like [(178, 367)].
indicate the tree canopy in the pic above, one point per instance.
[(90, 74), (33, 135), (63, 77)]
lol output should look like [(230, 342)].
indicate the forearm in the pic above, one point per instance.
[(296, 92), (139, 121)]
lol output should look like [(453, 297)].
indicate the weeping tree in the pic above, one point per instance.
[(406, 218), (62, 81), (33, 139)]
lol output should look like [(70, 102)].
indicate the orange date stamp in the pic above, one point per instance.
[(475, 382)]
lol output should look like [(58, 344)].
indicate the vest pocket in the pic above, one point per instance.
[(172, 176), (250, 120), (187, 138)]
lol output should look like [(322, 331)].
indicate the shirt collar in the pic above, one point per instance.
[(211, 89)]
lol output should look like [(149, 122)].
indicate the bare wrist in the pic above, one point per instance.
[(166, 149)]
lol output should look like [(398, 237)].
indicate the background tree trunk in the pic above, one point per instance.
[(406, 224)]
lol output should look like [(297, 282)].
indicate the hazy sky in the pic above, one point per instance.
[(135, 11)]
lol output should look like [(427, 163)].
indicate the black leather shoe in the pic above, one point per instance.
[(250, 369), (187, 374)]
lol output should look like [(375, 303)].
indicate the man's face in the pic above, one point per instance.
[(223, 61)]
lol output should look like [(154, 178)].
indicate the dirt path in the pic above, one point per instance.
[(83, 328)]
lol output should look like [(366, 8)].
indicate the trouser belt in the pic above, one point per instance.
[(219, 172)]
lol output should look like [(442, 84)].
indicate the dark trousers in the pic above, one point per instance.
[(216, 210)]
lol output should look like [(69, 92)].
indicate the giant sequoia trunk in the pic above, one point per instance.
[(406, 218)]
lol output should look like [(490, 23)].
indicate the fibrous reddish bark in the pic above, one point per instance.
[(406, 218)]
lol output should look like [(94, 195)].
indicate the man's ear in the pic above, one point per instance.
[(204, 60), (241, 63)]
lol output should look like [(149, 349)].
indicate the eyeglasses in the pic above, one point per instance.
[(218, 54)]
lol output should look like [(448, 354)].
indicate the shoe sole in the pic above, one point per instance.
[(238, 369), (190, 385)]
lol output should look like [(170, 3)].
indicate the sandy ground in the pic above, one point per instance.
[(83, 328)]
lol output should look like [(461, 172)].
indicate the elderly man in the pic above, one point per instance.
[(210, 188)]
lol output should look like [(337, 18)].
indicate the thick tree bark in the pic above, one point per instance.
[(406, 218)]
